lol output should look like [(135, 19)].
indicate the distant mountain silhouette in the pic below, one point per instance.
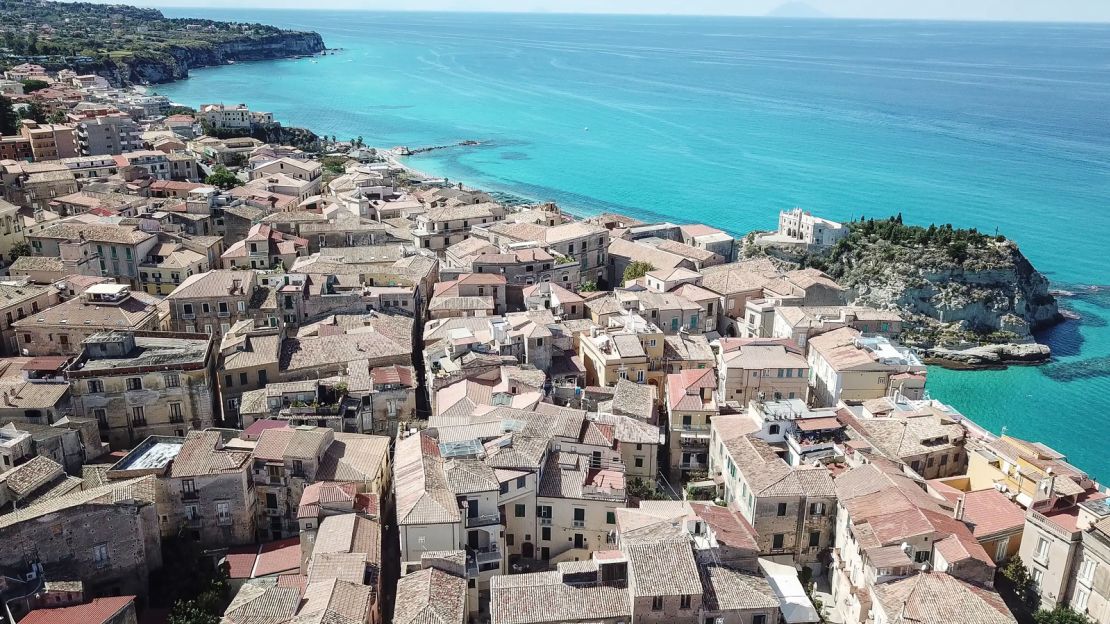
[(796, 9)]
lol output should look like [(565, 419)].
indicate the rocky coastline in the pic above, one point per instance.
[(175, 62)]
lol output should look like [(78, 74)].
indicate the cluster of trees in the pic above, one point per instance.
[(956, 242), (636, 270), (10, 118), (222, 178)]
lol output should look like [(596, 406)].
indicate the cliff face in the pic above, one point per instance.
[(176, 62), (968, 292)]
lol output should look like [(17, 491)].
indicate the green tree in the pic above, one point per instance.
[(222, 178), (358, 141), (22, 248), (57, 117), (189, 612), (31, 85), (589, 286), (34, 112), (9, 121), (1060, 615), (637, 270), (180, 110), (1017, 580)]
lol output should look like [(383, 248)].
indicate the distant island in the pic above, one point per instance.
[(796, 10), (130, 45)]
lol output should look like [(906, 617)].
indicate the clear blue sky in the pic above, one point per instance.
[(1023, 10)]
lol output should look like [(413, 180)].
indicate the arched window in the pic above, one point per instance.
[(773, 429)]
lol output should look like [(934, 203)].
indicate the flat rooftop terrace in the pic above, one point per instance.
[(154, 352)]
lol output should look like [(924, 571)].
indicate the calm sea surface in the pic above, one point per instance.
[(726, 121)]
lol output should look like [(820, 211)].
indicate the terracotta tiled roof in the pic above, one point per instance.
[(99, 611)]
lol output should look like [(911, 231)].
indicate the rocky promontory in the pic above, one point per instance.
[(132, 45), (175, 62), (957, 289)]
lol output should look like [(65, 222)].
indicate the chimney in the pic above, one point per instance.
[(959, 512), (236, 285)]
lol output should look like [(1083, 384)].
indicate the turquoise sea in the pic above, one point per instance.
[(728, 120)]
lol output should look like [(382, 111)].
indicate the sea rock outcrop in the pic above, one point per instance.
[(990, 356), (954, 287)]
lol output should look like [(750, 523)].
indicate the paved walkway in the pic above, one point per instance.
[(822, 592)]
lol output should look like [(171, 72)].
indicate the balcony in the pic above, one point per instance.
[(478, 558), (190, 496), (545, 521), (481, 520), (692, 429), (578, 524), (693, 465)]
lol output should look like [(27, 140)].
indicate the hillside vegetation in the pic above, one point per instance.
[(954, 285), (111, 39)]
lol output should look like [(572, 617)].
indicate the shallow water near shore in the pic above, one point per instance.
[(728, 120)]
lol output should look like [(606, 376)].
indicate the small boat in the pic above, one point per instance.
[(586, 129), (1071, 316), (1056, 292)]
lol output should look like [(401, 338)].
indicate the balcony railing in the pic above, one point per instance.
[(690, 428), (693, 465), (482, 520), (578, 524), (545, 521)]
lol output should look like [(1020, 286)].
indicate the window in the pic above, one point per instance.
[(521, 482), (176, 415), (188, 488), (773, 430), (504, 488), (777, 541), (610, 517), (817, 509), (138, 416), (1038, 578), (96, 386), (262, 377), (298, 468), (100, 555), (759, 618), (134, 383), (814, 539), (639, 462), (579, 517), (656, 603), (781, 510), (545, 533), (227, 381), (1000, 549), (242, 379), (1042, 549), (223, 513), (684, 601), (520, 511), (1079, 603), (510, 539), (943, 460), (172, 380), (1087, 570), (101, 416)]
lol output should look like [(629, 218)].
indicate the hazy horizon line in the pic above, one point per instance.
[(826, 17)]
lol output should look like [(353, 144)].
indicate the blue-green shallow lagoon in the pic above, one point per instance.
[(728, 120)]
